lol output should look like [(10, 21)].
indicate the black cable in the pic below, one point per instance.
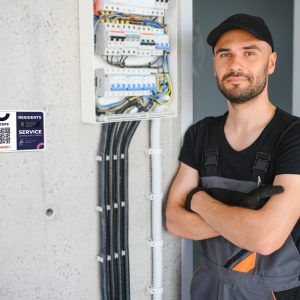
[(131, 128), (113, 213), (121, 63), (113, 188), (111, 201), (103, 216), (108, 227), (119, 200), (150, 65)]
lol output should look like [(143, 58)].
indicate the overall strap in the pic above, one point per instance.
[(261, 165), (211, 159), (265, 156)]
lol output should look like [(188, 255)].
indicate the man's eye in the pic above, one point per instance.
[(249, 53), (225, 54)]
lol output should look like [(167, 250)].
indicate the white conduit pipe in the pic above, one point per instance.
[(156, 210)]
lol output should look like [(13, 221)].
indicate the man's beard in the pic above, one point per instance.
[(239, 95)]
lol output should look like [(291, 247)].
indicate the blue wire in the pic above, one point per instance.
[(152, 23)]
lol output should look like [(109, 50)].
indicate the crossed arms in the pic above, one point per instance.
[(262, 231)]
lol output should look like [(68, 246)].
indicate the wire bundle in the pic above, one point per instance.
[(122, 18), (113, 205)]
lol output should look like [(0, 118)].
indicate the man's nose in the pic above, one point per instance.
[(236, 63)]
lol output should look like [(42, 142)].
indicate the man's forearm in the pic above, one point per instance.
[(188, 225), (238, 225)]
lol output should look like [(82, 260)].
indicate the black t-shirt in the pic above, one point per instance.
[(239, 164)]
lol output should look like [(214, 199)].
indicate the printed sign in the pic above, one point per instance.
[(21, 130)]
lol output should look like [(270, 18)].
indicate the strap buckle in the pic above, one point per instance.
[(211, 157), (262, 161)]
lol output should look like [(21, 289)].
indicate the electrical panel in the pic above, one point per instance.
[(138, 7), (128, 54)]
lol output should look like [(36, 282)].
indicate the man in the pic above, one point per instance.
[(249, 242)]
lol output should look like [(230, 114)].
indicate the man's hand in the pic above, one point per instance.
[(189, 197), (254, 200), (259, 197)]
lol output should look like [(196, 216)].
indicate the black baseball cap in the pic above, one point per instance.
[(252, 24)]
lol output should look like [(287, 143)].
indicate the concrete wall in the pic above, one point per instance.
[(54, 258)]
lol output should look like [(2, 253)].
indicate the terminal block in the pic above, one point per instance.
[(115, 82), (130, 40), (138, 7)]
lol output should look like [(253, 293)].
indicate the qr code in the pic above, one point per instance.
[(5, 135)]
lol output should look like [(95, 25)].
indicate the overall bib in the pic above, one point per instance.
[(226, 271)]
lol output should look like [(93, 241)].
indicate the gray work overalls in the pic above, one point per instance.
[(227, 272)]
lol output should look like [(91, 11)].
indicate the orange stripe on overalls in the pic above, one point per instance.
[(246, 265)]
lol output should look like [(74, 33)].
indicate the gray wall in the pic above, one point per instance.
[(296, 63), (278, 15), (55, 258)]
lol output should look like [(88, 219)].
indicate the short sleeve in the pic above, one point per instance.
[(192, 146), (287, 160)]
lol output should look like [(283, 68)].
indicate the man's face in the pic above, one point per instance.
[(242, 65)]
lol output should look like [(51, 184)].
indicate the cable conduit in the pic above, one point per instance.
[(156, 210)]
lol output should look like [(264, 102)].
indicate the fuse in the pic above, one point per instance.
[(123, 39), (111, 82)]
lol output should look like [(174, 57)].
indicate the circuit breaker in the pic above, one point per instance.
[(128, 51), (125, 82), (126, 39)]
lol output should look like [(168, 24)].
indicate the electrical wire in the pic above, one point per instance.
[(110, 197), (114, 107), (121, 62), (164, 93), (103, 217), (111, 220), (119, 221), (115, 17)]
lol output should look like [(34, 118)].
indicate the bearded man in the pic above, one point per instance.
[(237, 189)]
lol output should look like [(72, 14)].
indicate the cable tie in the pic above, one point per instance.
[(123, 253), (108, 258), (153, 244), (99, 158), (116, 255), (155, 291), (115, 157), (116, 205), (107, 157), (100, 259), (152, 196), (154, 151), (107, 207), (123, 203), (99, 209), (122, 156)]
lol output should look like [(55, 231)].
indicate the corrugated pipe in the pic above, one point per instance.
[(156, 210), (113, 205)]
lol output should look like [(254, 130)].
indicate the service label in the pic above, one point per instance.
[(21, 130)]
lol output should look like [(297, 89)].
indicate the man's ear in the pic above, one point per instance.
[(272, 63), (213, 59)]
